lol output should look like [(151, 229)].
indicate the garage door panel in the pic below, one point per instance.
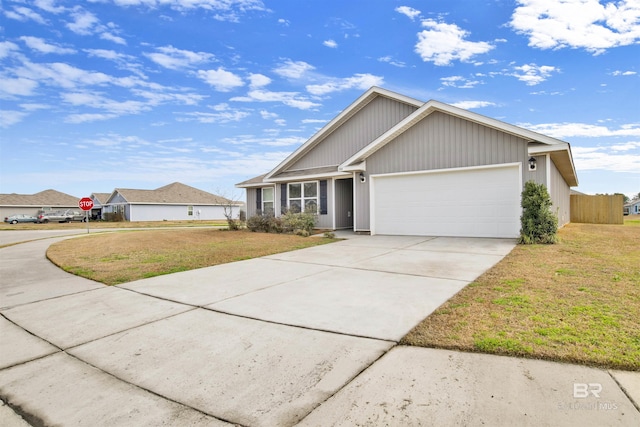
[(470, 202)]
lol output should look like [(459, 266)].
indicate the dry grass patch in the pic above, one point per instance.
[(120, 257), (576, 301), (108, 225)]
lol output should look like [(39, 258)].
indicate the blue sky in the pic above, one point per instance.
[(105, 94)]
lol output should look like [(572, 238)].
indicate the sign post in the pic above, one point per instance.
[(86, 204)]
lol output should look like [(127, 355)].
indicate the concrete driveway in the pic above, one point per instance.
[(301, 336)]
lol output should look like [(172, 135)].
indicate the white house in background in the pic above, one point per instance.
[(173, 202), (31, 204), (99, 199), (390, 164), (632, 207)]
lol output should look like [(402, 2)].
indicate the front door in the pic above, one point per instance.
[(344, 203)]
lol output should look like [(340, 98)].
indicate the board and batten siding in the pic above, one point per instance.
[(380, 115), (440, 141), (252, 209), (560, 193)]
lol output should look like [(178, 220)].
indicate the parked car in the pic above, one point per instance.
[(14, 219), (52, 216), (73, 215)]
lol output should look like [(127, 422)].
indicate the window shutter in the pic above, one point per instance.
[(323, 197), (259, 199), (283, 198)]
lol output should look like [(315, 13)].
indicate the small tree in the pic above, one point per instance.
[(231, 203), (539, 224)]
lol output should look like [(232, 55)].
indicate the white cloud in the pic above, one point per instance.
[(8, 117), (10, 87), (88, 117), (113, 38), (225, 9), (330, 43), (391, 61), (582, 130), (24, 14), (61, 74), (293, 69), (42, 46), (587, 24), (221, 79), (284, 22), (258, 80), (218, 117), (468, 105), (358, 81), (626, 146), (49, 6), (623, 73), (86, 23), (83, 22), (605, 158), (459, 82), (444, 43), (174, 59), (291, 99), (266, 141), (532, 74), (410, 12), (6, 48), (268, 115)]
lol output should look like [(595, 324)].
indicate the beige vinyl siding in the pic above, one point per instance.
[(366, 125), (440, 141), (560, 196), (539, 176), (252, 209)]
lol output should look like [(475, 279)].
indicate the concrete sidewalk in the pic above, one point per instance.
[(306, 337)]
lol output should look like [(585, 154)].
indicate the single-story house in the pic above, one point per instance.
[(390, 164), (173, 202), (99, 199), (32, 204), (632, 208)]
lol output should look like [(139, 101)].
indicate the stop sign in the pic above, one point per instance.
[(85, 204)]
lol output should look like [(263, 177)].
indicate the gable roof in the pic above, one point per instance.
[(560, 151), (338, 121), (172, 194), (100, 197), (46, 198)]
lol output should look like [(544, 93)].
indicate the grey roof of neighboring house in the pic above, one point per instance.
[(46, 198), (101, 197), (175, 194), (253, 181)]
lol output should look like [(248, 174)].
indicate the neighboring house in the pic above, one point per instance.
[(632, 208), (31, 204), (99, 199), (173, 202), (390, 164)]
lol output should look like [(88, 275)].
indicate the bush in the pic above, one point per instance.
[(296, 223), (539, 224), (301, 223), (258, 223), (113, 216)]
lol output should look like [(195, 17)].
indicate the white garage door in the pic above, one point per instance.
[(471, 202)]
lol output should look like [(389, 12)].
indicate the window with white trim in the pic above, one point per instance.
[(303, 197), (267, 201), (190, 210)]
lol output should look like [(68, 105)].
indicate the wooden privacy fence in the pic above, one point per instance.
[(597, 209)]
